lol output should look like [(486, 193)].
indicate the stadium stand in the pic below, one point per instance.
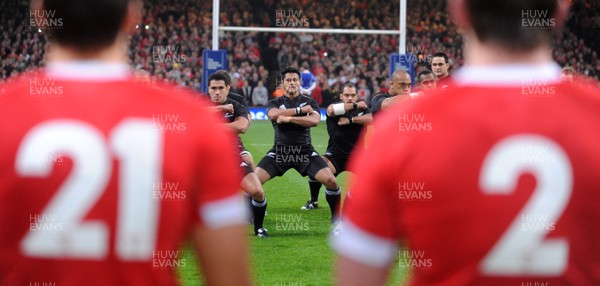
[(181, 30)]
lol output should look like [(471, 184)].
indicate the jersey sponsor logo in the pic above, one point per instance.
[(303, 104), (282, 107)]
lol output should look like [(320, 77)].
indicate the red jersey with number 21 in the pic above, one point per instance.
[(103, 178)]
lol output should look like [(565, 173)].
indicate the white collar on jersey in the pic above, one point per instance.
[(88, 71), (510, 74)]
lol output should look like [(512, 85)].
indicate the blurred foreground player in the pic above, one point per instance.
[(485, 183), (104, 178)]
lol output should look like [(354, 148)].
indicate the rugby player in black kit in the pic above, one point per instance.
[(292, 116), (236, 116), (345, 121)]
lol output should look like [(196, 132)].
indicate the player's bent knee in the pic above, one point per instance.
[(331, 182)]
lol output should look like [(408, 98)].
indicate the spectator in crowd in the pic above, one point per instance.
[(260, 95), (247, 91), (308, 83)]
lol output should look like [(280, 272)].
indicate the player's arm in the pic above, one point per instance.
[(362, 120), (310, 120), (388, 102), (223, 108), (338, 109), (239, 125), (223, 251), (274, 113), (376, 103)]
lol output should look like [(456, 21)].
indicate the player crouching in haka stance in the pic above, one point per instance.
[(345, 121), (236, 116), (292, 116)]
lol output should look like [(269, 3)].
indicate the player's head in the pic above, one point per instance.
[(400, 83), (515, 26), (426, 80), (218, 87), (290, 81), (440, 65), (90, 26), (348, 94)]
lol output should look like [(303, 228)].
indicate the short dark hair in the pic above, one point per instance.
[(423, 73), (290, 70), (441, 55), (217, 76), (89, 25), (501, 22), (225, 74)]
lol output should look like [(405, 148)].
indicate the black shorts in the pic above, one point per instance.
[(304, 159), (339, 161)]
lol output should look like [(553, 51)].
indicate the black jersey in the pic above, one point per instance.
[(289, 133), (377, 101), (342, 139), (238, 98), (238, 110)]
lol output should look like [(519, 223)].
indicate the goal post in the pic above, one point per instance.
[(400, 32), (397, 60)]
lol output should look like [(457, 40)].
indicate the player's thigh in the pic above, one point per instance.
[(262, 175), (320, 171), (329, 164)]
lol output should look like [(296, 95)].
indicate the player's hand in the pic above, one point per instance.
[(306, 109), (343, 121), (283, 119), (361, 105), (228, 108)]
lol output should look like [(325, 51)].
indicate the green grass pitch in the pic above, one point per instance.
[(298, 252)]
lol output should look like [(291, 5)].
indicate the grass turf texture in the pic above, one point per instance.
[(298, 252)]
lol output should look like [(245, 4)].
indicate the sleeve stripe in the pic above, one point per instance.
[(358, 245), (223, 213)]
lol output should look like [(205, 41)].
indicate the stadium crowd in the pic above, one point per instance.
[(169, 43)]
